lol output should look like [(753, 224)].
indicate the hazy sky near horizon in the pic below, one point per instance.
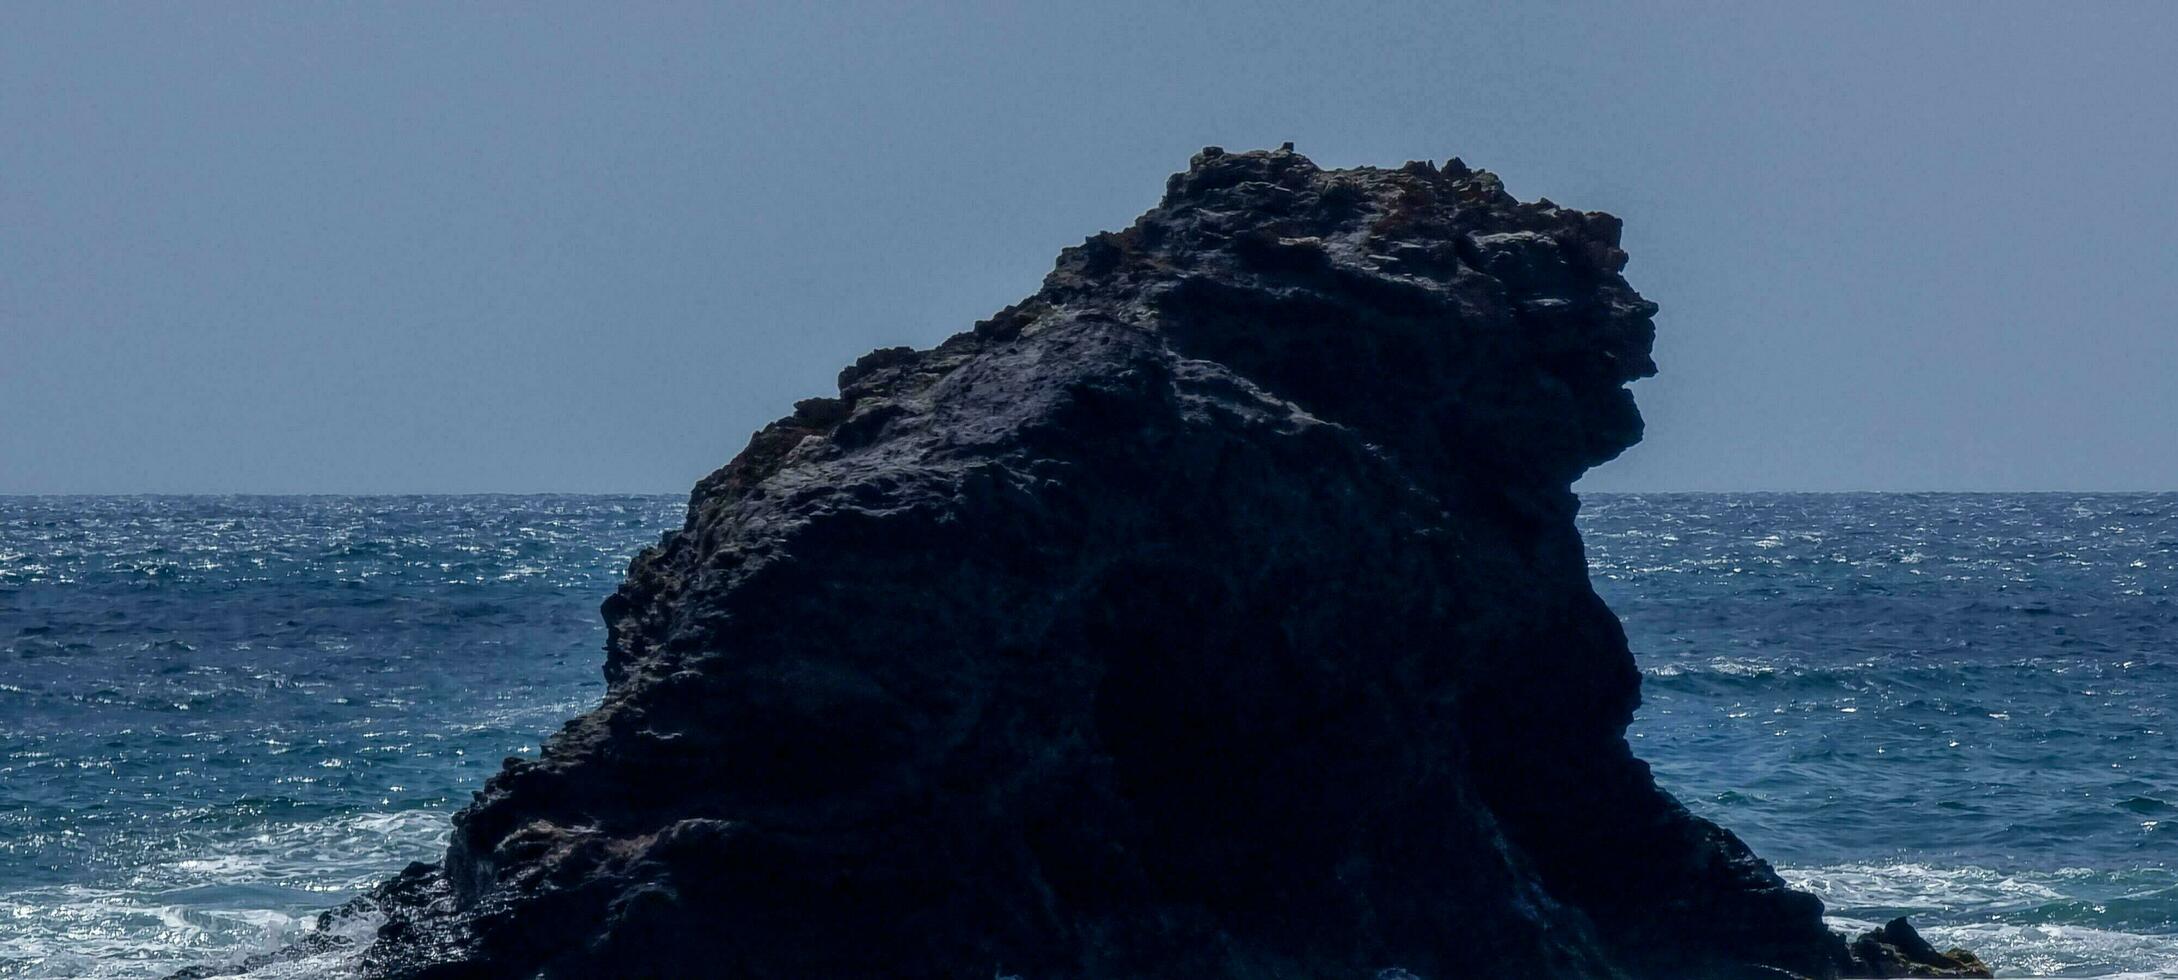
[(433, 247)]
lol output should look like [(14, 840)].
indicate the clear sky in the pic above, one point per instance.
[(441, 247)]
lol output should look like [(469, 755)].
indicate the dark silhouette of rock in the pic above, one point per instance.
[(1897, 950), (1216, 611)]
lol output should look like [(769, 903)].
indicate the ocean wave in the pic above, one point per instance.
[(256, 894), (2068, 922), (2065, 951), (1914, 887), (77, 931)]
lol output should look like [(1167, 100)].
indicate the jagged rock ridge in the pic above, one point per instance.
[(1217, 611)]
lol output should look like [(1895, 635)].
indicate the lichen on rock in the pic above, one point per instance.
[(1216, 611)]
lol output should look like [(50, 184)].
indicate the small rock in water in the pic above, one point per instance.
[(1897, 950)]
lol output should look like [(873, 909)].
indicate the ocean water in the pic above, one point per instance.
[(219, 715), (1958, 707)]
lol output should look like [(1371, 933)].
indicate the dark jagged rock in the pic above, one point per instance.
[(1897, 950), (1217, 611)]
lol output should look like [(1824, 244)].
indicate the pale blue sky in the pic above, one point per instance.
[(437, 247)]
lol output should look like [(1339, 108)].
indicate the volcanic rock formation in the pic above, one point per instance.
[(1216, 611)]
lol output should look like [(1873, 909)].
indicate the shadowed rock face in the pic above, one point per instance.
[(1216, 611)]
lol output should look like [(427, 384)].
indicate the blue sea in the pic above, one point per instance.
[(219, 715)]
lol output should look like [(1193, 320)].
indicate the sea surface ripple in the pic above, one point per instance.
[(219, 715), (1954, 706)]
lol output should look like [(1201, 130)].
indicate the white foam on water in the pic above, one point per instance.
[(2064, 951), (332, 964), (73, 931), (1998, 914), (1921, 886), (260, 894)]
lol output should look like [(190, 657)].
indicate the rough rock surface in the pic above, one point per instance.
[(1217, 611), (1897, 950)]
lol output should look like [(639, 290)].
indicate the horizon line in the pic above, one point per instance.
[(6, 494)]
